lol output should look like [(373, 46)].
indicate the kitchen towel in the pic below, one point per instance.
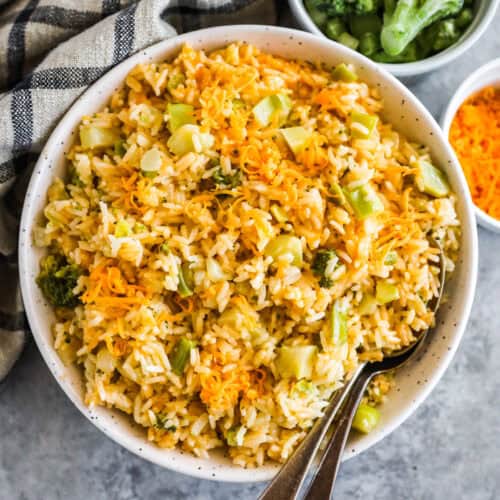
[(50, 52)]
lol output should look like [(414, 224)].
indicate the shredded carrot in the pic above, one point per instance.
[(475, 137)]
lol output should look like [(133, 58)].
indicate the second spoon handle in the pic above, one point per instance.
[(324, 480)]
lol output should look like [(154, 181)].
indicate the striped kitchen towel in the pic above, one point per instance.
[(50, 52)]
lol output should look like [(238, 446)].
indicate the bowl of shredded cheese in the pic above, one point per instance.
[(472, 124)]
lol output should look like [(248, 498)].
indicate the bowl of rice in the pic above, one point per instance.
[(223, 227)]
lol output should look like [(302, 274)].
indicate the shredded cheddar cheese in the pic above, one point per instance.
[(475, 137)]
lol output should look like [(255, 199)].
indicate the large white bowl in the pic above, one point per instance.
[(486, 75), (414, 382), (484, 13)]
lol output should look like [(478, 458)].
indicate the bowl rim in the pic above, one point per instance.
[(473, 83), (230, 33), (404, 70)]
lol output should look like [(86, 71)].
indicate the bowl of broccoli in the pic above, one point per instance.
[(408, 37)]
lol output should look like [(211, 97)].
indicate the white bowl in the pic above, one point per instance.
[(483, 17), (486, 75), (414, 382)]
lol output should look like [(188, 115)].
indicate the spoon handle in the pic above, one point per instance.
[(288, 481), (323, 483)]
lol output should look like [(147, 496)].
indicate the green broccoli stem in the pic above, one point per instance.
[(408, 19)]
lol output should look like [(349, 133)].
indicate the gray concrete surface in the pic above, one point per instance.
[(450, 448)]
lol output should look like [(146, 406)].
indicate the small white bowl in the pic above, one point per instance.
[(414, 381), (483, 16), (486, 75)]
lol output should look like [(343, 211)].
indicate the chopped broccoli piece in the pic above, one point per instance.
[(323, 265), (180, 355), (369, 44), (57, 280), (464, 18), (409, 18), (186, 281), (440, 36), (230, 180), (348, 40), (334, 28)]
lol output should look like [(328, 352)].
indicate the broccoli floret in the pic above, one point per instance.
[(441, 35), (337, 8), (57, 280), (323, 264), (232, 181), (410, 17)]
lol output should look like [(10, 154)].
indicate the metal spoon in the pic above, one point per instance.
[(289, 480)]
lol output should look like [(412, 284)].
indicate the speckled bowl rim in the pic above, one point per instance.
[(415, 381), (487, 74), (471, 35)]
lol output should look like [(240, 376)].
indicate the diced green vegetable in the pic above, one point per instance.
[(366, 418), (235, 435), (98, 137), (303, 388), (57, 280), (151, 161), (179, 114), (464, 18), (334, 28), (296, 361), (229, 180), (122, 229), (323, 265), (391, 258), (277, 106), (164, 248), (189, 138), (186, 281), (285, 244), (368, 305), (120, 148), (296, 137), (279, 213), (337, 194), (348, 40), (337, 326), (386, 292), (432, 180), (238, 104), (175, 80), (318, 16), (180, 355), (362, 125), (364, 201), (344, 73), (369, 44)]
